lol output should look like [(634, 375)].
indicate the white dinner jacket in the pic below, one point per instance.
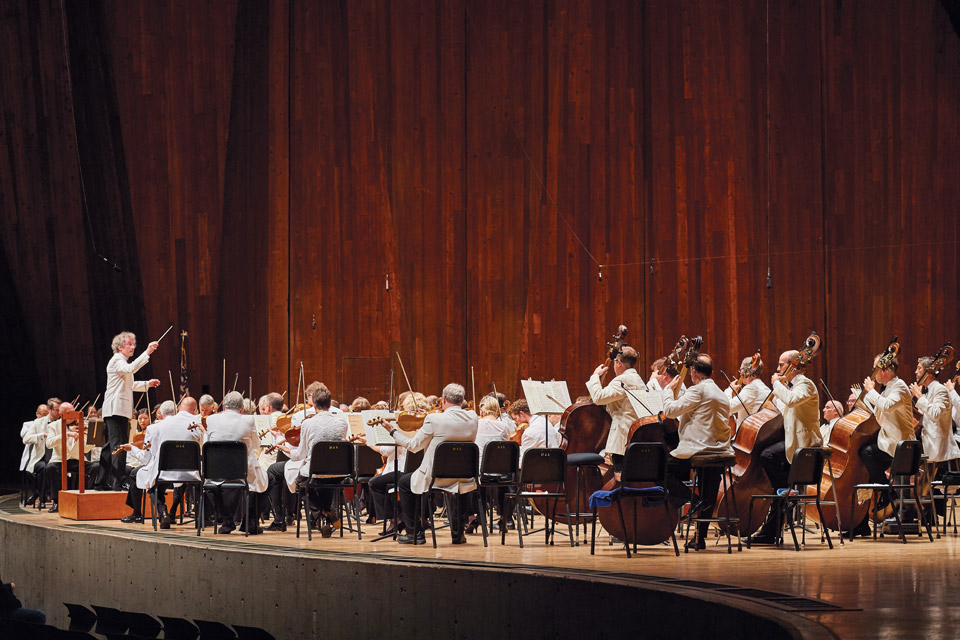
[(705, 410), (231, 425), (170, 428), (35, 437), (452, 425), (894, 410), (937, 434), (118, 398), (614, 399), (751, 396), (800, 405)]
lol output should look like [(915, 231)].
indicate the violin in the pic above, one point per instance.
[(143, 447), (407, 420), (518, 434)]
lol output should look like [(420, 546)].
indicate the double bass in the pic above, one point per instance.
[(756, 433), (654, 524), (930, 373), (583, 429)]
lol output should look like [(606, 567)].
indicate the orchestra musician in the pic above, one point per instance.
[(54, 436), (452, 424), (232, 425), (176, 425), (207, 405), (34, 460), (541, 431), (894, 411), (746, 398), (322, 426), (614, 398), (653, 382), (797, 398), (933, 401), (118, 404), (387, 477), (702, 410), (359, 404), (832, 411)]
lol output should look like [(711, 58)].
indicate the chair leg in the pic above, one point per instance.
[(153, 506), (623, 526), (836, 503), (200, 520), (593, 533), (518, 515), (673, 533), (723, 476), (793, 531), (826, 530), (853, 507), (896, 513), (481, 512), (308, 513), (749, 520), (245, 496), (923, 521)]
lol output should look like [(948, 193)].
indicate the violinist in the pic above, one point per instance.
[(174, 426), (933, 401), (540, 431), (271, 405), (797, 399), (614, 398), (321, 426), (503, 416), (207, 405), (54, 436), (359, 404), (452, 424), (489, 428), (653, 383), (34, 436), (703, 410), (387, 477), (894, 411), (748, 392)]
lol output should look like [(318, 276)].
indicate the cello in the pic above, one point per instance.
[(653, 523), (756, 433), (583, 429)]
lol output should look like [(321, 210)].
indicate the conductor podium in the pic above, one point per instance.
[(79, 504)]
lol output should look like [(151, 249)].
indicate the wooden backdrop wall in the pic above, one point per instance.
[(338, 182)]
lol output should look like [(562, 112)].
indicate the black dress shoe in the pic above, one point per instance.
[(277, 526), (461, 539), (254, 531), (762, 538), (407, 538), (55, 508), (30, 501), (226, 528), (696, 544), (133, 518)]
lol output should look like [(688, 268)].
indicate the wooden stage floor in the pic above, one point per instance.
[(879, 589)]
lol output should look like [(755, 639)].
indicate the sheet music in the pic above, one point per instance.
[(376, 434), (355, 420), (652, 399), (549, 398)]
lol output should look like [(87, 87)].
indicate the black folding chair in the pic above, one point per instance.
[(331, 467), (499, 470), (643, 463), (367, 463), (541, 467), (225, 468), (181, 456), (459, 461), (805, 471), (905, 465)]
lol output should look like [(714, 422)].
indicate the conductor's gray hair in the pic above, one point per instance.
[(119, 339)]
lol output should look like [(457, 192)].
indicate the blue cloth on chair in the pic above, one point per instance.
[(606, 498)]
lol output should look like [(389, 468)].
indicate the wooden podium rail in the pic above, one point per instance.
[(80, 504)]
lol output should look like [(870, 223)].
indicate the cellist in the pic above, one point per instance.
[(747, 396), (614, 398), (797, 399)]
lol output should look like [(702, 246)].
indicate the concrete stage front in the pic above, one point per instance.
[(346, 588)]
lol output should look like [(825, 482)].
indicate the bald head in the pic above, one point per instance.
[(66, 406), (189, 405)]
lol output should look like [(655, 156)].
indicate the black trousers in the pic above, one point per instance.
[(773, 459), (36, 480), (708, 485), (112, 467), (876, 460), (458, 507), (52, 476), (383, 506), (282, 501)]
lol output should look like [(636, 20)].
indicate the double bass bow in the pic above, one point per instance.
[(756, 433)]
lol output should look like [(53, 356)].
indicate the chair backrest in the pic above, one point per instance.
[(500, 457), (543, 466), (368, 462), (225, 460), (412, 462), (179, 455), (644, 462), (906, 459), (807, 467), (332, 459), (456, 460)]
